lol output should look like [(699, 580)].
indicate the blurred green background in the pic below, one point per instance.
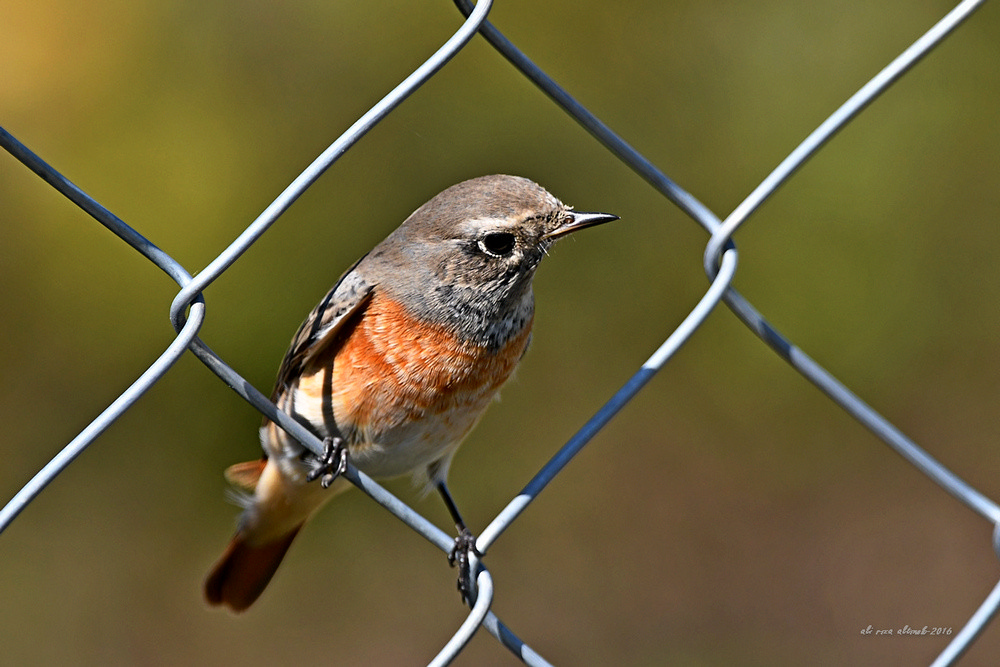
[(730, 515)]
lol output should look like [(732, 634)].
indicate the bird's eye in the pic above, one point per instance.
[(498, 244)]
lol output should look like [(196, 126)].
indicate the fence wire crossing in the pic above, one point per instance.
[(188, 312)]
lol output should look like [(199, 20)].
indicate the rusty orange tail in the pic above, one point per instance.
[(244, 571)]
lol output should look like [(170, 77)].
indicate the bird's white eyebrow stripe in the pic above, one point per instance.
[(497, 222)]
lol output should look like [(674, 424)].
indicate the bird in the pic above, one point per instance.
[(396, 365)]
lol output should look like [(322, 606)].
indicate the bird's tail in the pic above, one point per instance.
[(272, 517), (245, 569)]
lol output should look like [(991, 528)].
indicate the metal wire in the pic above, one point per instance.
[(188, 312), (155, 371)]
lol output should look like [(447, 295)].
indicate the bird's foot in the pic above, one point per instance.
[(465, 545), (331, 465)]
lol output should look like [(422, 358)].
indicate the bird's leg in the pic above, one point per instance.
[(465, 544), (331, 465)]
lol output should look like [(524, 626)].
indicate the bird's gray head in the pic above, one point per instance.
[(468, 255)]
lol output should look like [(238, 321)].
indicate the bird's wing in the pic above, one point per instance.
[(341, 306)]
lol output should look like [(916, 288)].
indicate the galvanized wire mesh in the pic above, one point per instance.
[(188, 312)]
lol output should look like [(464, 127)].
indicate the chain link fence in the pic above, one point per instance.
[(189, 312)]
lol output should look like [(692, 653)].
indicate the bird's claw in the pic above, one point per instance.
[(465, 544), (331, 465)]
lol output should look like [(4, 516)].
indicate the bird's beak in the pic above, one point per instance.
[(577, 220)]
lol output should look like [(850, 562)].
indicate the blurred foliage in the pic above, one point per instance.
[(730, 515)]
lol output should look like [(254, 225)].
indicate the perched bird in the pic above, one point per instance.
[(397, 363)]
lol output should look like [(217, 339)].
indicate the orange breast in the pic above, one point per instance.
[(392, 371)]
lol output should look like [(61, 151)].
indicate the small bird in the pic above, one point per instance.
[(396, 364)]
